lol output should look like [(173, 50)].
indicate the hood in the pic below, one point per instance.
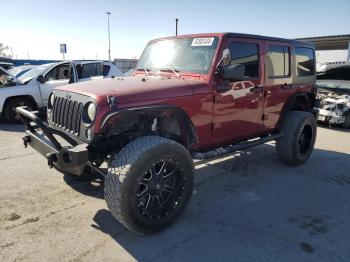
[(134, 89)]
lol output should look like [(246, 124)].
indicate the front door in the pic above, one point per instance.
[(57, 76), (238, 104)]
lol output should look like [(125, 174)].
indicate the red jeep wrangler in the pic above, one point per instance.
[(190, 96)]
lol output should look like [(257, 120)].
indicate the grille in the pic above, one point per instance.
[(66, 114)]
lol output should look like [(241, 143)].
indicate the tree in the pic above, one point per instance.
[(3, 48)]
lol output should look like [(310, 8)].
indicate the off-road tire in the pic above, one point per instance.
[(127, 171), (10, 115), (346, 123), (299, 136)]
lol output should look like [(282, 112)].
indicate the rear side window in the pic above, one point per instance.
[(246, 54), (278, 61), (89, 70), (305, 61)]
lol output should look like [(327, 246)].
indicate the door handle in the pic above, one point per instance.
[(256, 89), (286, 86)]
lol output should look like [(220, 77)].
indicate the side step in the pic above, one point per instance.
[(235, 147)]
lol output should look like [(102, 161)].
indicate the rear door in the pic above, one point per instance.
[(278, 80), (238, 104)]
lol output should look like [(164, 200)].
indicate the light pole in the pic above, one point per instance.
[(109, 37), (176, 21)]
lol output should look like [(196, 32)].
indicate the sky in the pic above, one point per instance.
[(35, 29)]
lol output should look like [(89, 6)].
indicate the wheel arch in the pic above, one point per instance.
[(164, 120), (299, 101), (10, 98)]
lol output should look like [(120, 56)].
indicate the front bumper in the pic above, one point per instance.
[(71, 158)]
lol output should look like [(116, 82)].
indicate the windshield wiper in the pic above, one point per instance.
[(144, 69), (175, 71)]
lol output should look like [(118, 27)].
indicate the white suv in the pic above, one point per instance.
[(33, 88)]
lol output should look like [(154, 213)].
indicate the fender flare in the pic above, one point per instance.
[(308, 97), (112, 122)]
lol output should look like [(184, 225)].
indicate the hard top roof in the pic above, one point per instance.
[(240, 35)]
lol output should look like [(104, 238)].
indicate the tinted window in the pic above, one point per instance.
[(278, 61), (89, 70), (106, 70), (245, 54), (58, 73), (305, 61)]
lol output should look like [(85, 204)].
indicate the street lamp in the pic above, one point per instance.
[(109, 37), (176, 23)]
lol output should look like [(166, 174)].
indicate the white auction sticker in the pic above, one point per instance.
[(203, 41)]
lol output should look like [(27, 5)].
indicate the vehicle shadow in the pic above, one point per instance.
[(337, 128), (92, 187), (5, 126), (242, 207)]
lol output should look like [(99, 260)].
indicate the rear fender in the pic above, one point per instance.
[(299, 101)]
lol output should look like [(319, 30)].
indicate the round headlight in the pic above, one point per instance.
[(91, 111), (51, 100)]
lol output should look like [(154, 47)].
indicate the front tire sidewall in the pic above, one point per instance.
[(16, 102), (124, 180)]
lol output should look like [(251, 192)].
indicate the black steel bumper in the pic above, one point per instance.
[(71, 158)]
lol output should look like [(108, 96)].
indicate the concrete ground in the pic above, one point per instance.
[(246, 207)]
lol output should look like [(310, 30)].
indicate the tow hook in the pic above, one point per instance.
[(50, 159), (26, 140)]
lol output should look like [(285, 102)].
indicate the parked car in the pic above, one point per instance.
[(6, 63), (32, 88), (334, 97), (7, 79), (190, 96)]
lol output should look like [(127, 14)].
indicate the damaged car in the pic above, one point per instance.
[(334, 96), (32, 89)]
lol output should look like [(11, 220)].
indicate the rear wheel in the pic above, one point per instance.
[(299, 136), (149, 183), (10, 109)]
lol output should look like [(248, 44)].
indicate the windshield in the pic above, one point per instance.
[(182, 54), (334, 84), (34, 72)]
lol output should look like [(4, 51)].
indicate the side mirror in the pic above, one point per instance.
[(40, 79), (225, 60), (226, 57), (233, 72)]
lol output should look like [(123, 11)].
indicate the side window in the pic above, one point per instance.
[(58, 73), (305, 61), (89, 70), (278, 61), (106, 69), (246, 54)]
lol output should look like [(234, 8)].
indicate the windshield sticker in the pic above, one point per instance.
[(203, 41)]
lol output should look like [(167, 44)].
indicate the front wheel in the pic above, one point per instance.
[(149, 183), (299, 136), (10, 109)]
